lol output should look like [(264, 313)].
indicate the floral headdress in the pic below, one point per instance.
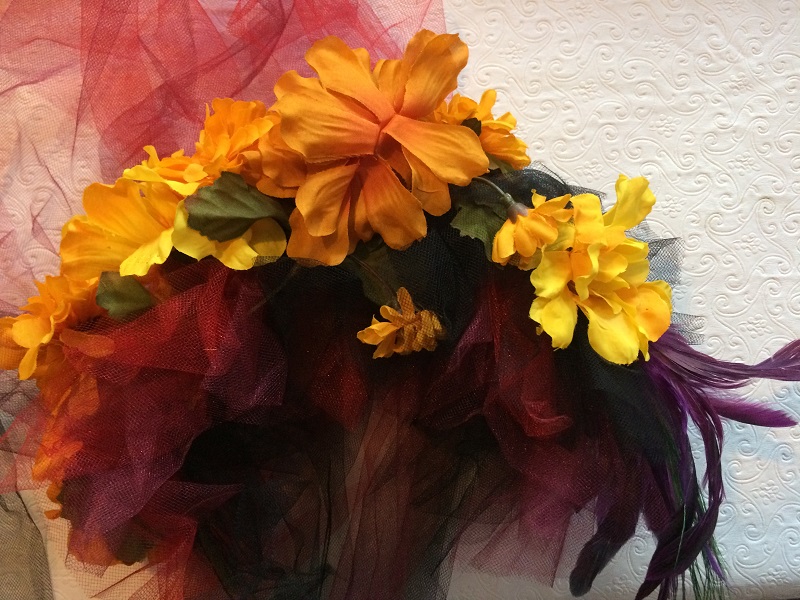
[(210, 406)]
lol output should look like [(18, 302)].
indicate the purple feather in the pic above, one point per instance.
[(737, 409), (695, 386)]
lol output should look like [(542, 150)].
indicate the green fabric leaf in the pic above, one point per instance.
[(372, 264), (479, 221), (226, 209), (497, 163), (122, 297)]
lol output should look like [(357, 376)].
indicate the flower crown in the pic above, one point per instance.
[(354, 171)]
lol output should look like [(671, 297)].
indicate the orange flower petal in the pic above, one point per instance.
[(503, 246), (319, 125), (431, 191), (453, 153), (391, 76), (393, 211), (329, 249), (434, 73), (10, 352), (342, 70), (321, 197)]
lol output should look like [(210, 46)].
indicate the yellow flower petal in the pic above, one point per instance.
[(634, 203), (553, 274), (87, 250), (533, 231), (154, 252), (31, 331), (453, 153), (267, 238), (588, 216), (134, 211), (264, 239), (11, 353), (653, 308), (405, 332), (557, 316), (614, 336), (177, 171)]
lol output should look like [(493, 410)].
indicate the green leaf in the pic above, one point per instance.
[(122, 297), (226, 209), (497, 163), (479, 221), (372, 264)]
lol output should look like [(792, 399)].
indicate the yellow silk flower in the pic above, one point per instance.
[(61, 304), (405, 331), (127, 229), (134, 224), (604, 274), (527, 231), (358, 128), (237, 137), (496, 138)]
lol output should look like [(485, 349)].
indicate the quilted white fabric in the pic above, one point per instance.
[(703, 98)]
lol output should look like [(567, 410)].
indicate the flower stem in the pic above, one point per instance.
[(507, 199), (513, 208)]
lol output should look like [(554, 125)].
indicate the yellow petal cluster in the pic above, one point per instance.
[(604, 274), (404, 331), (376, 158), (500, 145), (61, 304), (527, 231)]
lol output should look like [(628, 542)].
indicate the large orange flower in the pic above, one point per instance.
[(358, 129)]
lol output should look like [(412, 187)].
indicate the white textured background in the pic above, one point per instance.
[(703, 98)]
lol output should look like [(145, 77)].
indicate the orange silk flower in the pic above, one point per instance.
[(361, 131)]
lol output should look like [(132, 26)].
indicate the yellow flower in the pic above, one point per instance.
[(61, 304), (178, 171), (357, 128), (406, 330), (134, 224), (527, 231), (127, 228), (230, 136), (238, 137), (496, 138), (604, 274)]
